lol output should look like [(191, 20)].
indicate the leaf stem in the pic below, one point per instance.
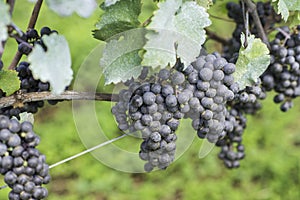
[(35, 14), (220, 18), (11, 4), (253, 11), (67, 95)]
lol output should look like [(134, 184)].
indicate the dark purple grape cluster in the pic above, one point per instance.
[(31, 38), (24, 168), (206, 93), (28, 84), (268, 18), (283, 74), (155, 105), (248, 99), (153, 109), (232, 149)]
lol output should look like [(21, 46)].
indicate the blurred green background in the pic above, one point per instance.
[(270, 170)]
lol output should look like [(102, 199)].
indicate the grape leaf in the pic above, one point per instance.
[(121, 16), (253, 60), (25, 117), (110, 2), (5, 19), (284, 6), (294, 19), (121, 60), (178, 28), (53, 65), (84, 8), (205, 3), (9, 81)]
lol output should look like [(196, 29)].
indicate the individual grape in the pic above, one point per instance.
[(10, 178), (164, 74), (206, 74), (171, 101), (218, 75), (167, 90), (24, 48), (177, 78), (14, 140), (32, 34)]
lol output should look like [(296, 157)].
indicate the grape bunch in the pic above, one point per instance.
[(28, 84), (31, 38), (206, 93), (232, 149), (283, 74), (247, 100), (155, 105), (152, 108), (23, 166)]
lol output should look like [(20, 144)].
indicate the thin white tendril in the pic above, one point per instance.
[(87, 151), (81, 153)]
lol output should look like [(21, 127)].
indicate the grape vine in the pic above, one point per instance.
[(166, 72)]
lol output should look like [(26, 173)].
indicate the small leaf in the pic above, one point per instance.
[(283, 9), (205, 3), (175, 24), (110, 2), (121, 60), (5, 20), (53, 65), (119, 17), (9, 81), (252, 61), (84, 8), (25, 117), (284, 6), (294, 19)]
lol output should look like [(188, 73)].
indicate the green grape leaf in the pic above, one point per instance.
[(284, 6), (253, 60), (5, 20), (294, 19), (53, 65), (25, 117), (121, 60), (177, 29), (205, 3), (110, 2), (9, 81), (119, 17), (84, 8)]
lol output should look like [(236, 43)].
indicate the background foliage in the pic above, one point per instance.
[(271, 169)]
